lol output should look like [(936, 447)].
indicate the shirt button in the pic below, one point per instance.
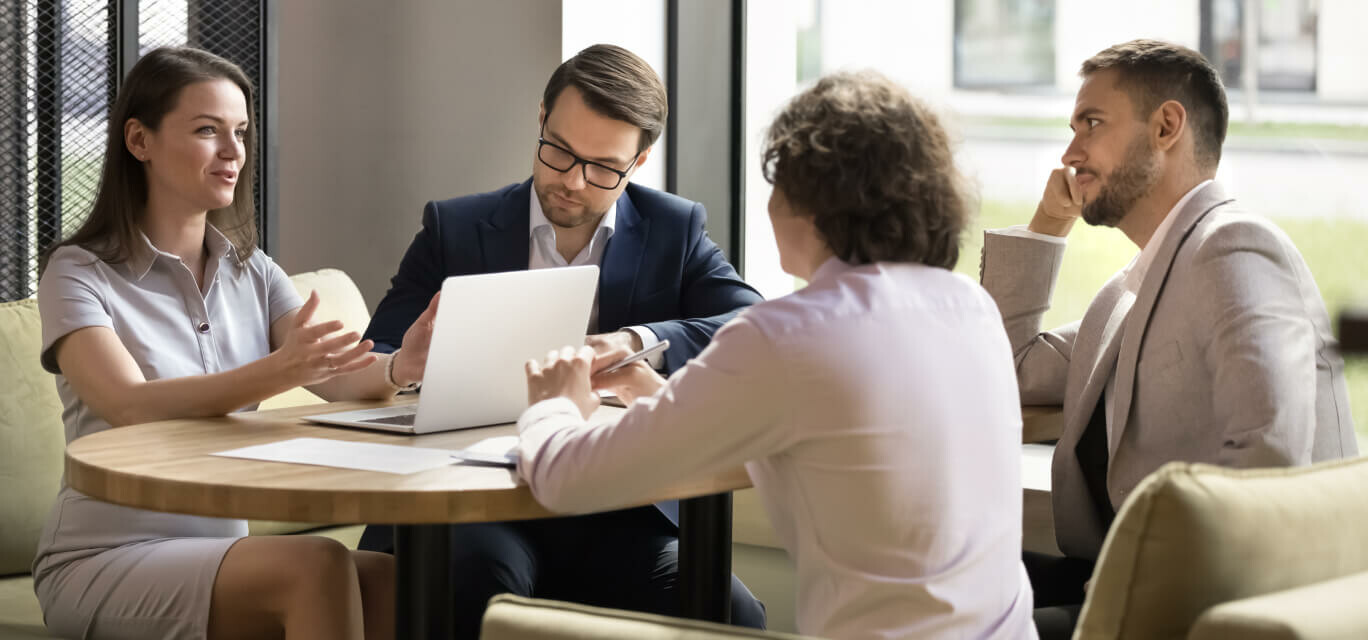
[(203, 327)]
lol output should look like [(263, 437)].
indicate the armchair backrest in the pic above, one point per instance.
[(1193, 536), (31, 437)]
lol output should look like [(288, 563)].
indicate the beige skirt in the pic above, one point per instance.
[(152, 589)]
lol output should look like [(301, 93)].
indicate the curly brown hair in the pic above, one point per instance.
[(873, 167)]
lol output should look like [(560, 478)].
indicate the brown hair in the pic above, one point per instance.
[(872, 165), (150, 91), (616, 83), (1152, 72)]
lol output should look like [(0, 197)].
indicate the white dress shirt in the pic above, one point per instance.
[(877, 414), (542, 254), (1134, 274)]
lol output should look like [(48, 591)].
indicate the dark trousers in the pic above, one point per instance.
[(1057, 583), (622, 559)]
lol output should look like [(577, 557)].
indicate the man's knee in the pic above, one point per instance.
[(487, 560), (747, 610)]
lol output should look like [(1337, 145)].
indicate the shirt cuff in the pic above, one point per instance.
[(548, 410), (1022, 231), (649, 339)]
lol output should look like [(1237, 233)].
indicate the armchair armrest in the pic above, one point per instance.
[(1329, 610)]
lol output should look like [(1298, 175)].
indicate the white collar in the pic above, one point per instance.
[(536, 218), (1140, 265)]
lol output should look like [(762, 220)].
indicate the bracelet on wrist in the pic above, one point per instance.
[(389, 375)]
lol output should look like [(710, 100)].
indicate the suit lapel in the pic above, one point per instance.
[(1151, 287), (621, 263), (1117, 302), (504, 235)]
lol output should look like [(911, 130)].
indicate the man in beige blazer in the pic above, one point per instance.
[(1212, 346)]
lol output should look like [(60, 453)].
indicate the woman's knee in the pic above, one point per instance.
[(320, 559), (374, 570)]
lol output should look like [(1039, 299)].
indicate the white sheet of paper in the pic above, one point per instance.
[(497, 451), (366, 456), (1035, 466)]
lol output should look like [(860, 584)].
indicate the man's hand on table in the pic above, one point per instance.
[(628, 383), (605, 343)]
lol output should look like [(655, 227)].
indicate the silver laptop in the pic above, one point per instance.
[(487, 327)]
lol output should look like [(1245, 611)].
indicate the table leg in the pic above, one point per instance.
[(705, 531), (422, 554)]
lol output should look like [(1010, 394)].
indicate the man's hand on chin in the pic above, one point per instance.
[(1060, 205)]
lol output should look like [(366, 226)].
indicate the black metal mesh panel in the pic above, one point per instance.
[(54, 85), (15, 219), (233, 29), (161, 23), (57, 75), (85, 88)]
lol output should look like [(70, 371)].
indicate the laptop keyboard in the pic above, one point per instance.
[(403, 420)]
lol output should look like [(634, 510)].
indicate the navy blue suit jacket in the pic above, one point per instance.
[(660, 270)]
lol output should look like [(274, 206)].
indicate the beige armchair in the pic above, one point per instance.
[(1207, 553)]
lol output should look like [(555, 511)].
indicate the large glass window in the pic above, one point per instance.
[(1004, 73), (1285, 45), (636, 25), (1004, 43)]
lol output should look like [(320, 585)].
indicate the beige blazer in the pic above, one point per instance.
[(1226, 357)]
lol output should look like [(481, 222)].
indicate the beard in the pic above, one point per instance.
[(1125, 186), (561, 216)]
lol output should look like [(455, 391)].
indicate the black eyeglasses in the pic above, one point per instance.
[(562, 160)]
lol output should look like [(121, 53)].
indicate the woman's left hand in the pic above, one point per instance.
[(564, 374)]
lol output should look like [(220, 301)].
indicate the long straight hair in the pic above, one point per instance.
[(151, 90)]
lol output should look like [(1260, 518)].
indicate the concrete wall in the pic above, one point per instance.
[(386, 105)]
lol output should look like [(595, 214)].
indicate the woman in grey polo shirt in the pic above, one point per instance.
[(161, 307)]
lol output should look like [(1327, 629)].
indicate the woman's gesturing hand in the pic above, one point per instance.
[(311, 353)]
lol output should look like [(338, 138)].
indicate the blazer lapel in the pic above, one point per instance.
[(504, 235), (1128, 358), (1108, 348), (1117, 302), (621, 264)]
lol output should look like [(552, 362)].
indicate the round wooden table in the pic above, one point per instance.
[(167, 466)]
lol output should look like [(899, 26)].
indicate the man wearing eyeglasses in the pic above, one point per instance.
[(660, 277)]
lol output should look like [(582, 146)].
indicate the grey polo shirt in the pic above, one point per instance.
[(172, 329)]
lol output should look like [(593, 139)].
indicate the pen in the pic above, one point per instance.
[(640, 355)]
